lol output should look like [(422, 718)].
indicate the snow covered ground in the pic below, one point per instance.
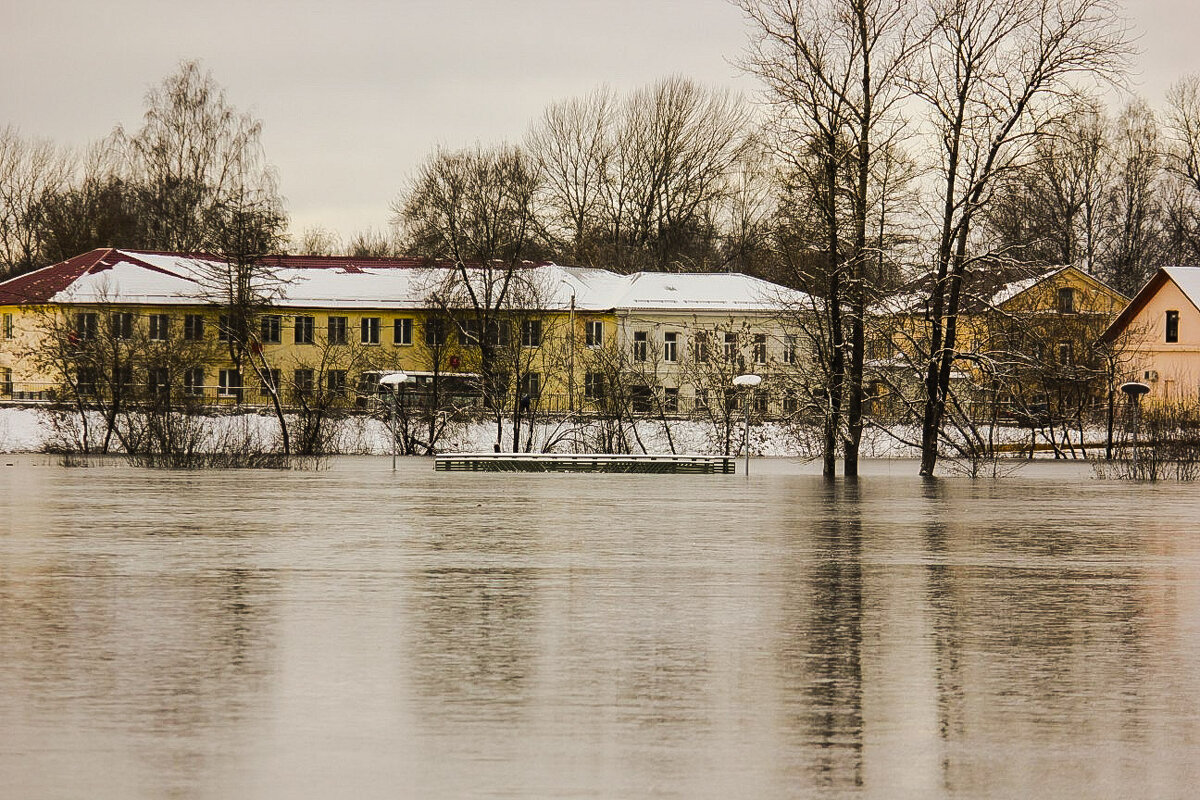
[(26, 429)]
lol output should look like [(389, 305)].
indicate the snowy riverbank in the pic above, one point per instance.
[(26, 430)]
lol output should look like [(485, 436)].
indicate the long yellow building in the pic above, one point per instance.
[(556, 338)]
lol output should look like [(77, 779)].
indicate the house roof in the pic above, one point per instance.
[(1186, 278), (984, 288), (156, 278)]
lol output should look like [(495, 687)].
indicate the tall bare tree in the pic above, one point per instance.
[(634, 183), (993, 75), (475, 208), (194, 155), (833, 70)]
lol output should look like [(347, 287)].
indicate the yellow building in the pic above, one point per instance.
[(140, 324), (1027, 339)]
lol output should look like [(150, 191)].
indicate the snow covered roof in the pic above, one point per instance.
[(1188, 281), (135, 277)]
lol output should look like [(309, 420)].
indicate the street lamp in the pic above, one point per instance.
[(393, 380), (746, 383), (1134, 391)]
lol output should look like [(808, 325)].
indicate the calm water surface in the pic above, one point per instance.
[(362, 634)]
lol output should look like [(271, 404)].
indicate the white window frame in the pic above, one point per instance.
[(402, 331), (670, 347)]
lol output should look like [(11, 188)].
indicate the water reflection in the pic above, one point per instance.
[(823, 650), (444, 636)]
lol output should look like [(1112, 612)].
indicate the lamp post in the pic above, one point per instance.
[(393, 381), (1134, 391), (746, 383)]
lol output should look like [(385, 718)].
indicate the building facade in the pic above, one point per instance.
[(129, 326)]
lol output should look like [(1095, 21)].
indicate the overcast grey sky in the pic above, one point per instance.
[(354, 94)]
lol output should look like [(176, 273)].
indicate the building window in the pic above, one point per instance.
[(369, 327), (435, 332), (158, 381), (335, 381), (302, 332), (402, 331), (790, 403), (122, 325), (86, 325), (6, 382), (123, 377), (594, 333), (224, 332), (1065, 353), (730, 351), (85, 380), (531, 333), (531, 387), (641, 397), (193, 381), (760, 348), (271, 327), (193, 327), (468, 333), (639, 345), (670, 347), (159, 326), (700, 346), (6, 328), (1066, 300), (671, 400), (336, 330), (302, 379), (269, 383), (1172, 326), (760, 401), (229, 384), (789, 349), (499, 334), (593, 386)]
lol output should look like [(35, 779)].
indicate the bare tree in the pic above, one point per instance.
[(635, 182), (194, 156), (992, 76), (31, 170), (1051, 210), (833, 72), (475, 209), (573, 143), (1134, 198), (318, 241)]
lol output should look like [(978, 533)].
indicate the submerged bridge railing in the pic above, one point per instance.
[(584, 462)]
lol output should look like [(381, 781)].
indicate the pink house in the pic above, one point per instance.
[(1157, 336)]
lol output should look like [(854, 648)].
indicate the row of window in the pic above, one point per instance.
[(270, 329), (701, 347)]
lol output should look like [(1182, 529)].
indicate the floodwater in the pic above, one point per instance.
[(361, 633)]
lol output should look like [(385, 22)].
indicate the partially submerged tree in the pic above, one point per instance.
[(993, 76), (833, 75)]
